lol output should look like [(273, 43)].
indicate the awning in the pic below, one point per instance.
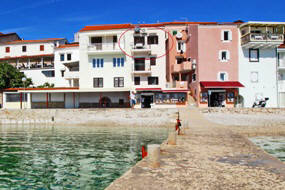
[(168, 91), (221, 84), (148, 89)]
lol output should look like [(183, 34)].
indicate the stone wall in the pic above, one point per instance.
[(244, 110), (94, 117)]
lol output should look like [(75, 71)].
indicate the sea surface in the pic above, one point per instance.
[(272, 145), (46, 157)]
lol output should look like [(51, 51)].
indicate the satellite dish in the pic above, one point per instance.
[(179, 35)]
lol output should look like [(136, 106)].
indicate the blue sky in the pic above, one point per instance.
[(35, 19)]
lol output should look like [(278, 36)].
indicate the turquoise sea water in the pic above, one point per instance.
[(70, 157), (273, 145)]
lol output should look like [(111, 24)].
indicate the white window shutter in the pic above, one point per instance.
[(230, 35), (228, 55), (222, 35), (220, 55)]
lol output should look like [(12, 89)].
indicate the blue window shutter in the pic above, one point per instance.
[(118, 61), (94, 63), (122, 62), (102, 62), (98, 63), (114, 62)]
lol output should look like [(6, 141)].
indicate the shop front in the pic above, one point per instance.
[(219, 94), (159, 98)]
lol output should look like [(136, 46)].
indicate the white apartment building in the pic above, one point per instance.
[(101, 70), (118, 59), (258, 70), (35, 58), (281, 75)]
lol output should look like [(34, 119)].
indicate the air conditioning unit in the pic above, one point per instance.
[(194, 64), (139, 45)]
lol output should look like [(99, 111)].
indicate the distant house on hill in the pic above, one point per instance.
[(8, 37)]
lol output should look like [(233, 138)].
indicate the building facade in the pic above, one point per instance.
[(163, 64), (35, 58), (258, 61), (214, 50)]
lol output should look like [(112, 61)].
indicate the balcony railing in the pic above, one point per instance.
[(103, 46), (183, 67), (25, 66), (178, 84), (262, 37)]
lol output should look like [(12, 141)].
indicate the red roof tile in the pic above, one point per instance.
[(26, 57), (68, 45), (124, 26), (56, 88), (221, 84), (34, 41)]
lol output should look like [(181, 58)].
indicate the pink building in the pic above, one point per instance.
[(213, 50)]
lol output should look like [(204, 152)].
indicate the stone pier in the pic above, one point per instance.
[(207, 156)]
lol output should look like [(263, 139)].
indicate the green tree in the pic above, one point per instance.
[(46, 85), (10, 77)]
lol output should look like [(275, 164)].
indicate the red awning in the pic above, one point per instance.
[(148, 89), (176, 91), (221, 84)]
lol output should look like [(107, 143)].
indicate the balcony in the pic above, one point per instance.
[(140, 48), (183, 67), (104, 48), (178, 84), (71, 75), (141, 69), (260, 35)]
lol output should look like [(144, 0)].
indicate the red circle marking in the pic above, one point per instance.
[(166, 53)]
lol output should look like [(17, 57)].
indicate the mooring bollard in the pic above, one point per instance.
[(153, 155), (172, 138)]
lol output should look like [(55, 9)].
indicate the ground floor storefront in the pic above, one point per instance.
[(158, 98), (218, 94), (70, 98)]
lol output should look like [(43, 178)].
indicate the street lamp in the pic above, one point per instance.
[(24, 79)]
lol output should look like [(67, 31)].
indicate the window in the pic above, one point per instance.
[(254, 55), (98, 63), (42, 47), (62, 73), (152, 80), (179, 60), (48, 73), (24, 48), (222, 76), (16, 97), (96, 40), (224, 55), (180, 46), (254, 77), (194, 77), (152, 39), (139, 40), (7, 49), (118, 62), (98, 82), (115, 39), (69, 57), (153, 61), (226, 35), (118, 81), (61, 57), (137, 80), (140, 64)]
